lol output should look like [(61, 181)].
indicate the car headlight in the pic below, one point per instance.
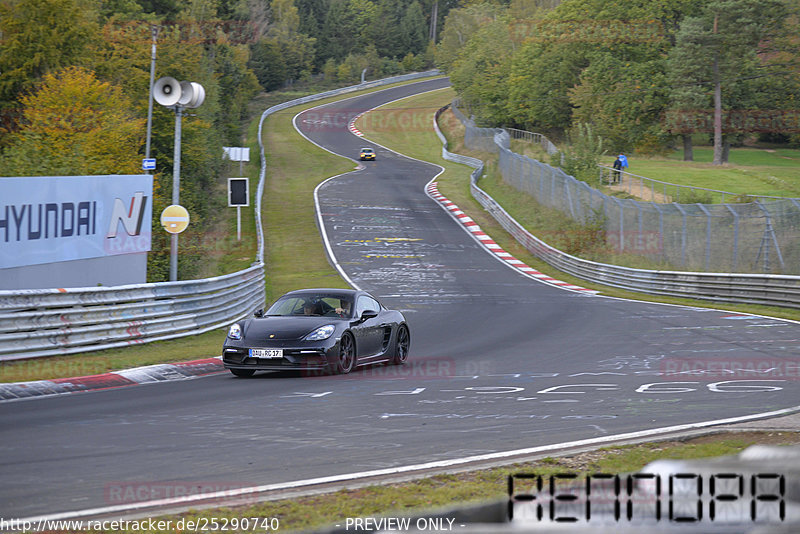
[(235, 331), (323, 332)]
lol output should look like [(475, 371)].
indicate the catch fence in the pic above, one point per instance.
[(762, 236)]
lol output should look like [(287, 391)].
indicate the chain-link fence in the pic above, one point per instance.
[(761, 236)]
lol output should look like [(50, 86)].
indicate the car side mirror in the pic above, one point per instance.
[(368, 314), (259, 312)]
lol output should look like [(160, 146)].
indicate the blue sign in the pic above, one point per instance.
[(149, 164)]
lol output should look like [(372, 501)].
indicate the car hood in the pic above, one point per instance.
[(284, 328)]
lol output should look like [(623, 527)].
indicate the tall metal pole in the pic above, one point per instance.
[(176, 194), (154, 30)]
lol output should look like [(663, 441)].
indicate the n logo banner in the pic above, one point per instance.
[(47, 219), (131, 218)]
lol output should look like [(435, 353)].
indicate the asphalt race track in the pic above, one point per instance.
[(498, 362)]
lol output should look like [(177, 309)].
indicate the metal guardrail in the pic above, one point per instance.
[(533, 138), (767, 289), (47, 322), (50, 322)]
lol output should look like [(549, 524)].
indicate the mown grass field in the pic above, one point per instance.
[(751, 171)]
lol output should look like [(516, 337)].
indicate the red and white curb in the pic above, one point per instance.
[(352, 126), (494, 248), (128, 377)]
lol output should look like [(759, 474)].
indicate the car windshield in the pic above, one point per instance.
[(366, 150), (311, 306)]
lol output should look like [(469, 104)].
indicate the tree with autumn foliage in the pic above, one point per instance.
[(75, 124), (40, 36)]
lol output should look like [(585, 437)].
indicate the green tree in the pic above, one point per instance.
[(339, 33), (384, 31), (540, 78), (165, 8), (297, 49), (363, 15), (480, 74), (237, 86), (459, 26), (688, 99), (312, 16), (623, 93), (40, 36), (723, 49), (74, 124), (583, 153), (121, 10), (414, 30), (268, 65)]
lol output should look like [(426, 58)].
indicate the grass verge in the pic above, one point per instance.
[(473, 486)]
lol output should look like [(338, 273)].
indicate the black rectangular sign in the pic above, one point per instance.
[(238, 192)]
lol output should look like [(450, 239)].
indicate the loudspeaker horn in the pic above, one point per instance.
[(192, 95), (200, 95), (167, 91)]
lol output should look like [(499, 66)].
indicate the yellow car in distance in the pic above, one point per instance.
[(367, 154)]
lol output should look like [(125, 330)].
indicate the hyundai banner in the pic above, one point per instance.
[(56, 219)]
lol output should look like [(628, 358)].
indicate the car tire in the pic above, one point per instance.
[(347, 355), (401, 345), (243, 373)]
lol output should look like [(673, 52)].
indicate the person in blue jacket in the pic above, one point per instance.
[(617, 168)]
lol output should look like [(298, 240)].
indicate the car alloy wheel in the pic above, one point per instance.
[(347, 355), (401, 346)]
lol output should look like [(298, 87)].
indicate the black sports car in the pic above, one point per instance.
[(330, 330)]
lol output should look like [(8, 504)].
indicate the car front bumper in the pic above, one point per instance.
[(305, 358)]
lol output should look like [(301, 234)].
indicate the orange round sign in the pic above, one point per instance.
[(174, 219)]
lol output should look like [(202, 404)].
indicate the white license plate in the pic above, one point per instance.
[(266, 353)]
